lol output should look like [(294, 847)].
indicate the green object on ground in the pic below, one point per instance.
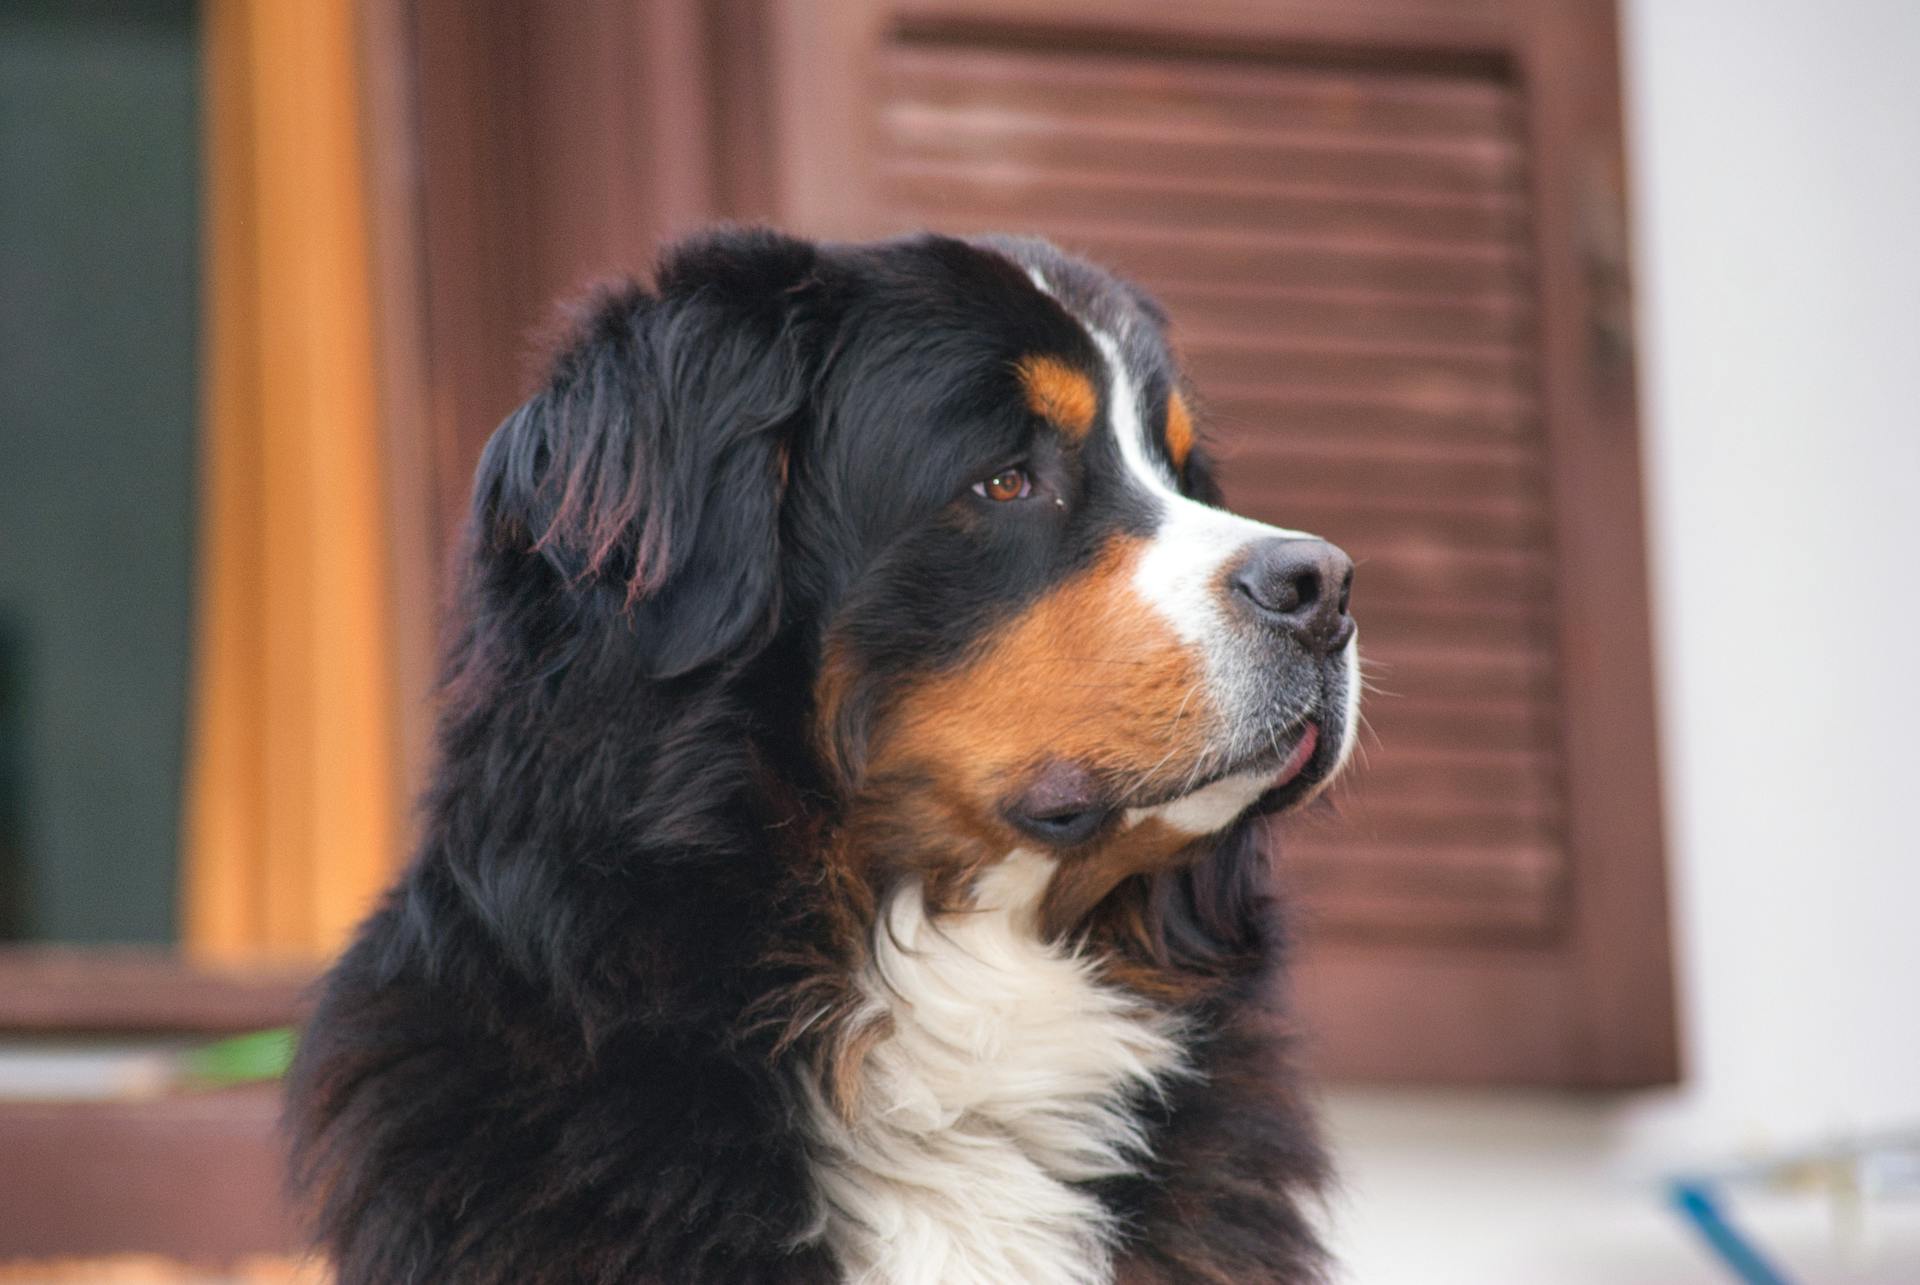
[(243, 1059)]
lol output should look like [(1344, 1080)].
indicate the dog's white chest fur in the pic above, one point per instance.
[(1011, 1072)]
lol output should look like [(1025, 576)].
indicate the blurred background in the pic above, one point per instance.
[(1592, 330)]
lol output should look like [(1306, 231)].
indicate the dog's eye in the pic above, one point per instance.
[(1007, 484)]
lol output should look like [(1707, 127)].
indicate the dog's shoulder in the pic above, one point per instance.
[(453, 1125)]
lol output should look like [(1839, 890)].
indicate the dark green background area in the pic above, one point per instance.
[(98, 337)]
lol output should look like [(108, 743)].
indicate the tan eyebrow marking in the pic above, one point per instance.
[(1058, 393), (1179, 430)]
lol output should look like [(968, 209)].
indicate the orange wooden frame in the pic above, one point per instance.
[(292, 816)]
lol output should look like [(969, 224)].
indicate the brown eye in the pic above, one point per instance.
[(1007, 484)]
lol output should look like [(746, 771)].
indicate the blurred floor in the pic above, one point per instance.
[(1439, 1189), (1534, 1189), (139, 1269)]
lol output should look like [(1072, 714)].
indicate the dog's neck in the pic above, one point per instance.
[(1008, 1078)]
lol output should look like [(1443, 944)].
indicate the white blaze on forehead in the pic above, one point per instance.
[(1179, 571)]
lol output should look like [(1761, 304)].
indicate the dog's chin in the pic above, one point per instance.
[(1065, 808), (1315, 771), (1294, 768)]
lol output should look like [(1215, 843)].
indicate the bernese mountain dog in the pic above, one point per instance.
[(842, 861)]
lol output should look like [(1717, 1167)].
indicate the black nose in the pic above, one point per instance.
[(1301, 586)]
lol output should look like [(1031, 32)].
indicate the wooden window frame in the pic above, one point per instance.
[(199, 1175), (138, 990), (194, 1175), (57, 989)]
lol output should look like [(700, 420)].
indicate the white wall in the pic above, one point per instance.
[(1776, 159)]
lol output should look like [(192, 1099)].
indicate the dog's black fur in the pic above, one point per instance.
[(561, 1050)]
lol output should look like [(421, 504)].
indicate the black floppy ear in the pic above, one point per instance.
[(651, 469)]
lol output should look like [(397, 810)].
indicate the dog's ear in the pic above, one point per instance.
[(651, 469)]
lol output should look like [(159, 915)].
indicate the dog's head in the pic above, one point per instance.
[(952, 498)]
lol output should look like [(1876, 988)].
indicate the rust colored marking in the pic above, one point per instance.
[(1090, 674), (1058, 393), (830, 688), (1085, 879), (1179, 430)]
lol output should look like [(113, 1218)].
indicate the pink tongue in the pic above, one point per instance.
[(1301, 756)]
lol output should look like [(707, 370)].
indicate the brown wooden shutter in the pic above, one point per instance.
[(1346, 256), (1382, 230), (1389, 234)]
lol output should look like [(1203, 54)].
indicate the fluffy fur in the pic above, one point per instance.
[(1005, 1084), (836, 870)]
